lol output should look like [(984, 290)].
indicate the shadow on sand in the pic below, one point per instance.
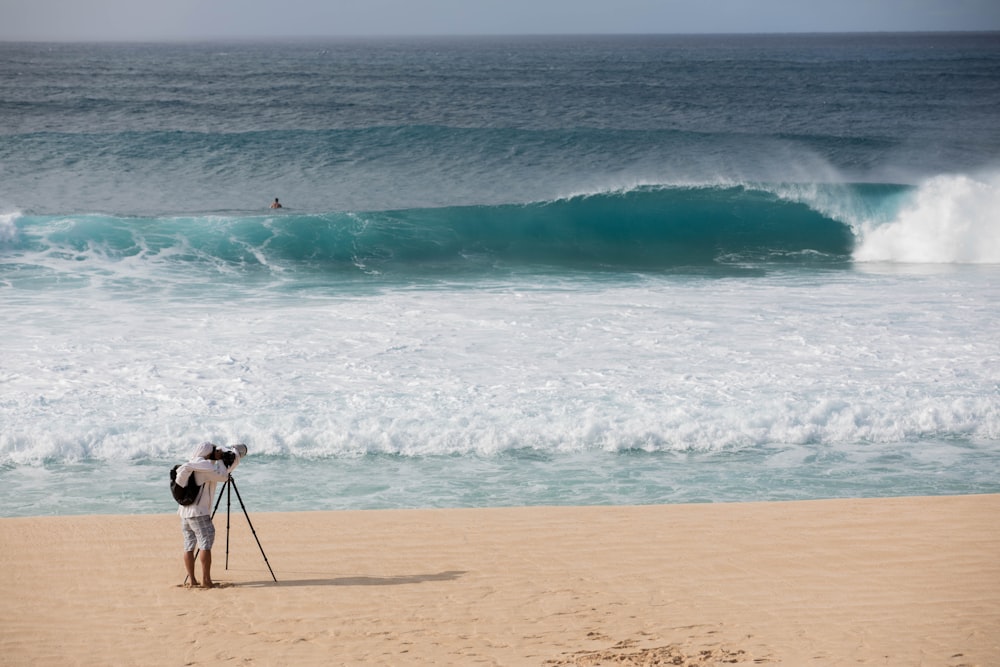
[(399, 580)]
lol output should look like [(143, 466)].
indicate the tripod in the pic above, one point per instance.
[(228, 487)]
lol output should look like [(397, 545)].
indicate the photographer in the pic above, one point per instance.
[(209, 465)]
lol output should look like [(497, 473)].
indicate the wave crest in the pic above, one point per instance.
[(948, 219), (646, 228)]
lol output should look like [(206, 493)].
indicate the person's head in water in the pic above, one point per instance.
[(276, 203)]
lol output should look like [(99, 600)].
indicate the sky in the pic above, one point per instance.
[(143, 20)]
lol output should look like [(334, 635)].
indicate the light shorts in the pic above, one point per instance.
[(198, 529)]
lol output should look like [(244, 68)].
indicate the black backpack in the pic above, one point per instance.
[(184, 495)]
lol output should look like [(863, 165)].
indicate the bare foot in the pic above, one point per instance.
[(208, 584)]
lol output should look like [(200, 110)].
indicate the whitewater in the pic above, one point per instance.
[(509, 271)]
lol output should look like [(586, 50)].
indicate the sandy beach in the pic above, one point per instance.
[(903, 581)]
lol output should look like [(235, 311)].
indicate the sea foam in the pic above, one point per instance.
[(8, 226), (950, 219)]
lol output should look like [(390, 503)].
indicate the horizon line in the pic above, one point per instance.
[(473, 35)]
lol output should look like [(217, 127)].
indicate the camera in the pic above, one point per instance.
[(229, 455)]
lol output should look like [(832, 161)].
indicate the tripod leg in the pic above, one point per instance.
[(232, 482), (228, 505)]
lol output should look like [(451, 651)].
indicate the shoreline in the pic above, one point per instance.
[(912, 580)]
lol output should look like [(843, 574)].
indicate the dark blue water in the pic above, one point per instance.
[(376, 125)]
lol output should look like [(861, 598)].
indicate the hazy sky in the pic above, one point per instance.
[(197, 19)]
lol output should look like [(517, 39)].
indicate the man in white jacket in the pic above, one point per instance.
[(208, 469)]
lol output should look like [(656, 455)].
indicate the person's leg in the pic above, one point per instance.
[(206, 568), (205, 530), (189, 566), (189, 541)]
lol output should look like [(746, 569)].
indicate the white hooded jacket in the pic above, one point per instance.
[(208, 474)]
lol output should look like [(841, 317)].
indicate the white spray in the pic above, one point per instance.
[(951, 219)]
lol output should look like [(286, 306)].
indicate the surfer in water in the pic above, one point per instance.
[(275, 203)]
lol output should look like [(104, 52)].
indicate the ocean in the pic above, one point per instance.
[(600, 270)]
